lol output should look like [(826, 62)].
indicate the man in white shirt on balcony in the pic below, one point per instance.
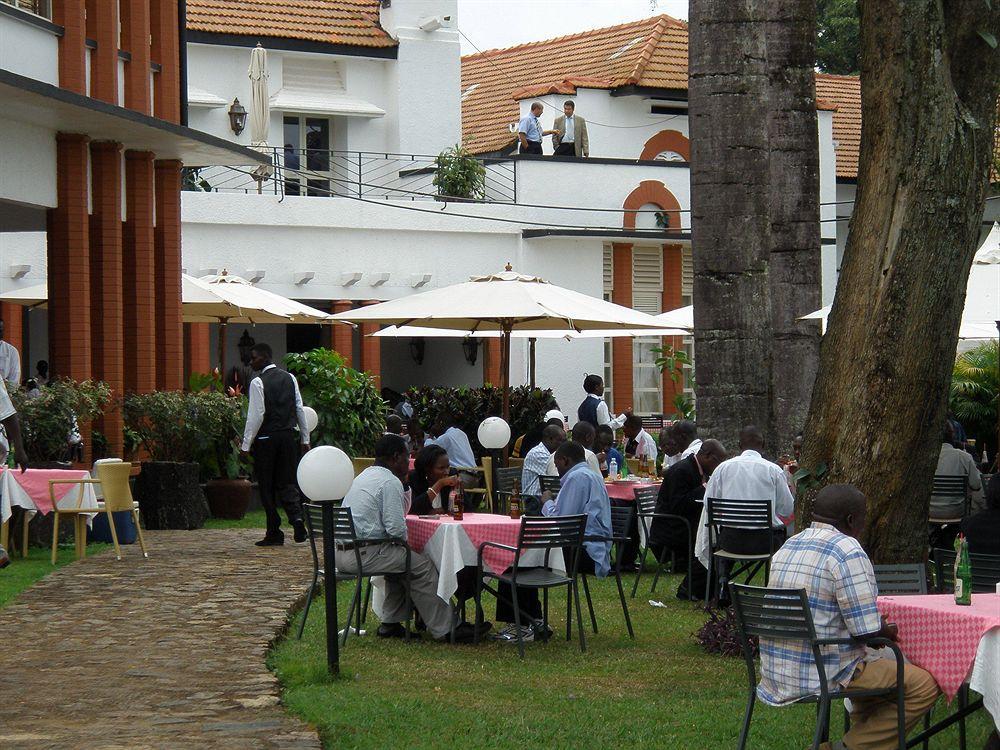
[(570, 138)]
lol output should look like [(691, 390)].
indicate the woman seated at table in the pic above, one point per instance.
[(431, 482)]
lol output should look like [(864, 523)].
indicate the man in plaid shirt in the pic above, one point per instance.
[(828, 561)]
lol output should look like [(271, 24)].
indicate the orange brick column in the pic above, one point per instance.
[(371, 350), (166, 83), (621, 347), (672, 255), (102, 26), (139, 271), (135, 40), (167, 243), (69, 262), (343, 336), (13, 333), (106, 299), (72, 16), (197, 351), (490, 352)]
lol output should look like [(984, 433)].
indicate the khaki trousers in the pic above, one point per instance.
[(389, 559), (873, 720)]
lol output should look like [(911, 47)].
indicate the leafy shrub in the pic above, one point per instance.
[(47, 419), (459, 174), (974, 388), (185, 427), (720, 635), (350, 409), (470, 406)]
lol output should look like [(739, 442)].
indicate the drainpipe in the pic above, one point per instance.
[(182, 57)]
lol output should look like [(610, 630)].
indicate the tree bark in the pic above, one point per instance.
[(754, 214), (929, 83)]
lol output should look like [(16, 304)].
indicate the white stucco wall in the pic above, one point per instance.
[(28, 50), (27, 163), (829, 255)]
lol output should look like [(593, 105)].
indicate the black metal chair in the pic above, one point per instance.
[(506, 476), (645, 503), (949, 491), (346, 540), (653, 422), (985, 572), (564, 533), (893, 580), (741, 516), (621, 522), (549, 484), (783, 614)]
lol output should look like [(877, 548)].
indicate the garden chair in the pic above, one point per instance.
[(784, 614), (645, 503), (743, 515), (515, 463), (362, 463), (653, 422), (346, 541), (621, 522), (486, 491), (894, 580), (506, 476), (117, 493), (949, 505), (550, 484), (985, 572), (564, 533)]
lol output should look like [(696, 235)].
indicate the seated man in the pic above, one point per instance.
[(682, 494), (582, 492), (584, 434), (454, 440), (982, 530), (604, 446), (828, 561), (376, 503), (640, 443), (955, 462), (533, 437), (537, 461), (684, 442)]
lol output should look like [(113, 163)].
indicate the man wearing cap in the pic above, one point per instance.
[(527, 441)]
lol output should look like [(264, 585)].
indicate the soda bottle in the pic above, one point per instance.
[(613, 469), (458, 500), (515, 500), (963, 572)]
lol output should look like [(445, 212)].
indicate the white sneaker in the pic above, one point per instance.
[(509, 634)]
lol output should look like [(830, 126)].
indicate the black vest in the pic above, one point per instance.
[(279, 402), (588, 411)]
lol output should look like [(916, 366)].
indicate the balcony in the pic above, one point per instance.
[(41, 8)]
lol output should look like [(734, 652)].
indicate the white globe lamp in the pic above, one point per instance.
[(494, 433), (312, 418), (325, 473)]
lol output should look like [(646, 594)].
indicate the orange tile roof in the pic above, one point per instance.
[(350, 22), (651, 52)]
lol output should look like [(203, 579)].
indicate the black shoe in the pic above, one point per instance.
[(300, 532), (395, 630), (270, 541), (466, 633), (542, 631)]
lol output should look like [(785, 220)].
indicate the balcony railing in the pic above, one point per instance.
[(356, 174), (41, 8)]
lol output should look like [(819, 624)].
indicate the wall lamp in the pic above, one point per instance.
[(470, 348), (417, 348), (237, 117)]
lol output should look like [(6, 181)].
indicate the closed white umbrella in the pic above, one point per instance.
[(503, 302), (260, 111)]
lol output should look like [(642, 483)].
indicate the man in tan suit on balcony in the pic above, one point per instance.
[(570, 138)]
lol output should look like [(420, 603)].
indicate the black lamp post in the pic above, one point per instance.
[(237, 117)]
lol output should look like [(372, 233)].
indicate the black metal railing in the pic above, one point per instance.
[(367, 175)]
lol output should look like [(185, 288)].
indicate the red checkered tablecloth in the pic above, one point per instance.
[(941, 636), (480, 527), (625, 490)]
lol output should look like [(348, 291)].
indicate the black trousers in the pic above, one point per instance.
[(275, 461), (528, 599), (631, 551), (533, 147), (565, 149)]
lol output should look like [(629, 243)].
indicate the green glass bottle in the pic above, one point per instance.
[(963, 572), (623, 469)]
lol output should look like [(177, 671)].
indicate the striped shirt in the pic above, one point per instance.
[(535, 464), (839, 581)]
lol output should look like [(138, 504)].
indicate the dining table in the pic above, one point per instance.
[(959, 645), (29, 490), (624, 489)]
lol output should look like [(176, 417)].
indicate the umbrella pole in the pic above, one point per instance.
[(531, 362), (996, 458), (505, 378), (222, 348)]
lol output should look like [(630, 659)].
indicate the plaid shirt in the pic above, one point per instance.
[(839, 581), (535, 464)]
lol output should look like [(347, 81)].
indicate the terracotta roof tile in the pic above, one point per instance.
[(350, 22), (845, 93)]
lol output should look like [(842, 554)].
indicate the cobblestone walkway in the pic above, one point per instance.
[(167, 652)]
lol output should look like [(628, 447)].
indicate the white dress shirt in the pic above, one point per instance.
[(689, 451), (10, 364), (255, 411), (604, 416), (459, 449), (646, 446), (6, 410), (592, 463), (570, 133), (748, 476)]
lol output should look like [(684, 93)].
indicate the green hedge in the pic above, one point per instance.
[(470, 406)]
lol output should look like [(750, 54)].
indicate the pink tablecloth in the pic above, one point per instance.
[(941, 636), (35, 485), (480, 527), (625, 490)]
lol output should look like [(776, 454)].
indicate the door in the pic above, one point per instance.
[(307, 155)]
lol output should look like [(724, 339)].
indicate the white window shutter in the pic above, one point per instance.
[(609, 269), (647, 279)]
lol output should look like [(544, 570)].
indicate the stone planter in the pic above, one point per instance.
[(169, 496), (228, 498)]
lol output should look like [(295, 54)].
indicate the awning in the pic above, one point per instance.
[(201, 98), (324, 103), (38, 103)]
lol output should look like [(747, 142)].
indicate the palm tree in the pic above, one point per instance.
[(975, 384)]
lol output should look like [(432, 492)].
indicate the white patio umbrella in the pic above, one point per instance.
[(970, 329), (260, 111), (682, 317), (503, 302)]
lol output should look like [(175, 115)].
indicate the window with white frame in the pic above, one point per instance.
[(647, 297), (687, 298)]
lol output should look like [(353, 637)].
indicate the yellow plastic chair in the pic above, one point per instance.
[(113, 478), (360, 464), (486, 471)]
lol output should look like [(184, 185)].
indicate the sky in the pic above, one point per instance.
[(489, 24)]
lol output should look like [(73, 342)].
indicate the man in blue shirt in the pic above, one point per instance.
[(529, 131)]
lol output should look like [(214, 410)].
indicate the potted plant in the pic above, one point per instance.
[(229, 488), (459, 175), (177, 430)]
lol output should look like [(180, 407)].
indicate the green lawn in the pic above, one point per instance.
[(252, 520), (659, 691), (22, 572)]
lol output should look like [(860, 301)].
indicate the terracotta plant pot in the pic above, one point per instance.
[(228, 498)]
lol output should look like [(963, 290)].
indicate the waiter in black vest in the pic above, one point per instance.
[(274, 411)]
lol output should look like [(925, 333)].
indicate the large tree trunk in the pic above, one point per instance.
[(754, 213), (929, 86)]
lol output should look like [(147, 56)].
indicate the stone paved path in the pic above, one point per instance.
[(167, 652)]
